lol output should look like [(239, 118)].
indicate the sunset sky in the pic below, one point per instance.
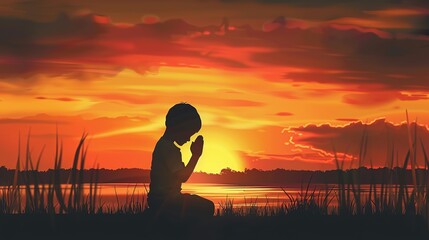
[(278, 84)]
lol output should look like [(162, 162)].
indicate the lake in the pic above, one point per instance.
[(242, 196), (111, 195)]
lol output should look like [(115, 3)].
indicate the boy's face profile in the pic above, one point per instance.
[(181, 137)]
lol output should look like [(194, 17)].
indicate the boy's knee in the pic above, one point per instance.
[(210, 208), (203, 206)]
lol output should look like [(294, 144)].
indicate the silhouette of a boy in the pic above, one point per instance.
[(168, 172)]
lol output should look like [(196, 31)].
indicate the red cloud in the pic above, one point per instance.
[(63, 99), (294, 161), (87, 46), (369, 99), (380, 98), (284, 114), (347, 119), (90, 45), (386, 141)]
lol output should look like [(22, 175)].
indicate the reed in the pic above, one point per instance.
[(26, 195), (392, 197), (227, 208)]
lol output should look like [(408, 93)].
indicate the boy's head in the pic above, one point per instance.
[(182, 121)]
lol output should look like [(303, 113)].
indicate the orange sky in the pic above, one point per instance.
[(273, 92)]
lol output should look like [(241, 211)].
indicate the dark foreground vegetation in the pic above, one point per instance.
[(142, 226), (392, 208)]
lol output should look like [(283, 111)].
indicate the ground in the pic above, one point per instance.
[(140, 226)]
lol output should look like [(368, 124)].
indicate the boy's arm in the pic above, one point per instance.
[(197, 150)]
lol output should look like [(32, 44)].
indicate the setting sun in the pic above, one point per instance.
[(217, 155)]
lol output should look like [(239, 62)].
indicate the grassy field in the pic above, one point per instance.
[(393, 211)]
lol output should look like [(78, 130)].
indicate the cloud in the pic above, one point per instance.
[(381, 98), (347, 119), (389, 12), (423, 25), (349, 57), (89, 46), (42, 9), (295, 161), (386, 141), (29, 121), (284, 114), (368, 99), (62, 99), (85, 46), (128, 98), (364, 4), (294, 156)]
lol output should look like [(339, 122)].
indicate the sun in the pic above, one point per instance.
[(218, 154)]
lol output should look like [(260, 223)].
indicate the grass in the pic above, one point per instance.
[(21, 197), (393, 198)]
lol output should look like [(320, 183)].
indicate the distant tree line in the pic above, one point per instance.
[(226, 176), (124, 175), (283, 177)]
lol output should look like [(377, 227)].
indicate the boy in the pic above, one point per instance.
[(168, 172)]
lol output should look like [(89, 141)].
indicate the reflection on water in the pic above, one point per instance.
[(241, 196), (111, 195)]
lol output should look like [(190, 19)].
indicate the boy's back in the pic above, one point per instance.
[(166, 159)]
